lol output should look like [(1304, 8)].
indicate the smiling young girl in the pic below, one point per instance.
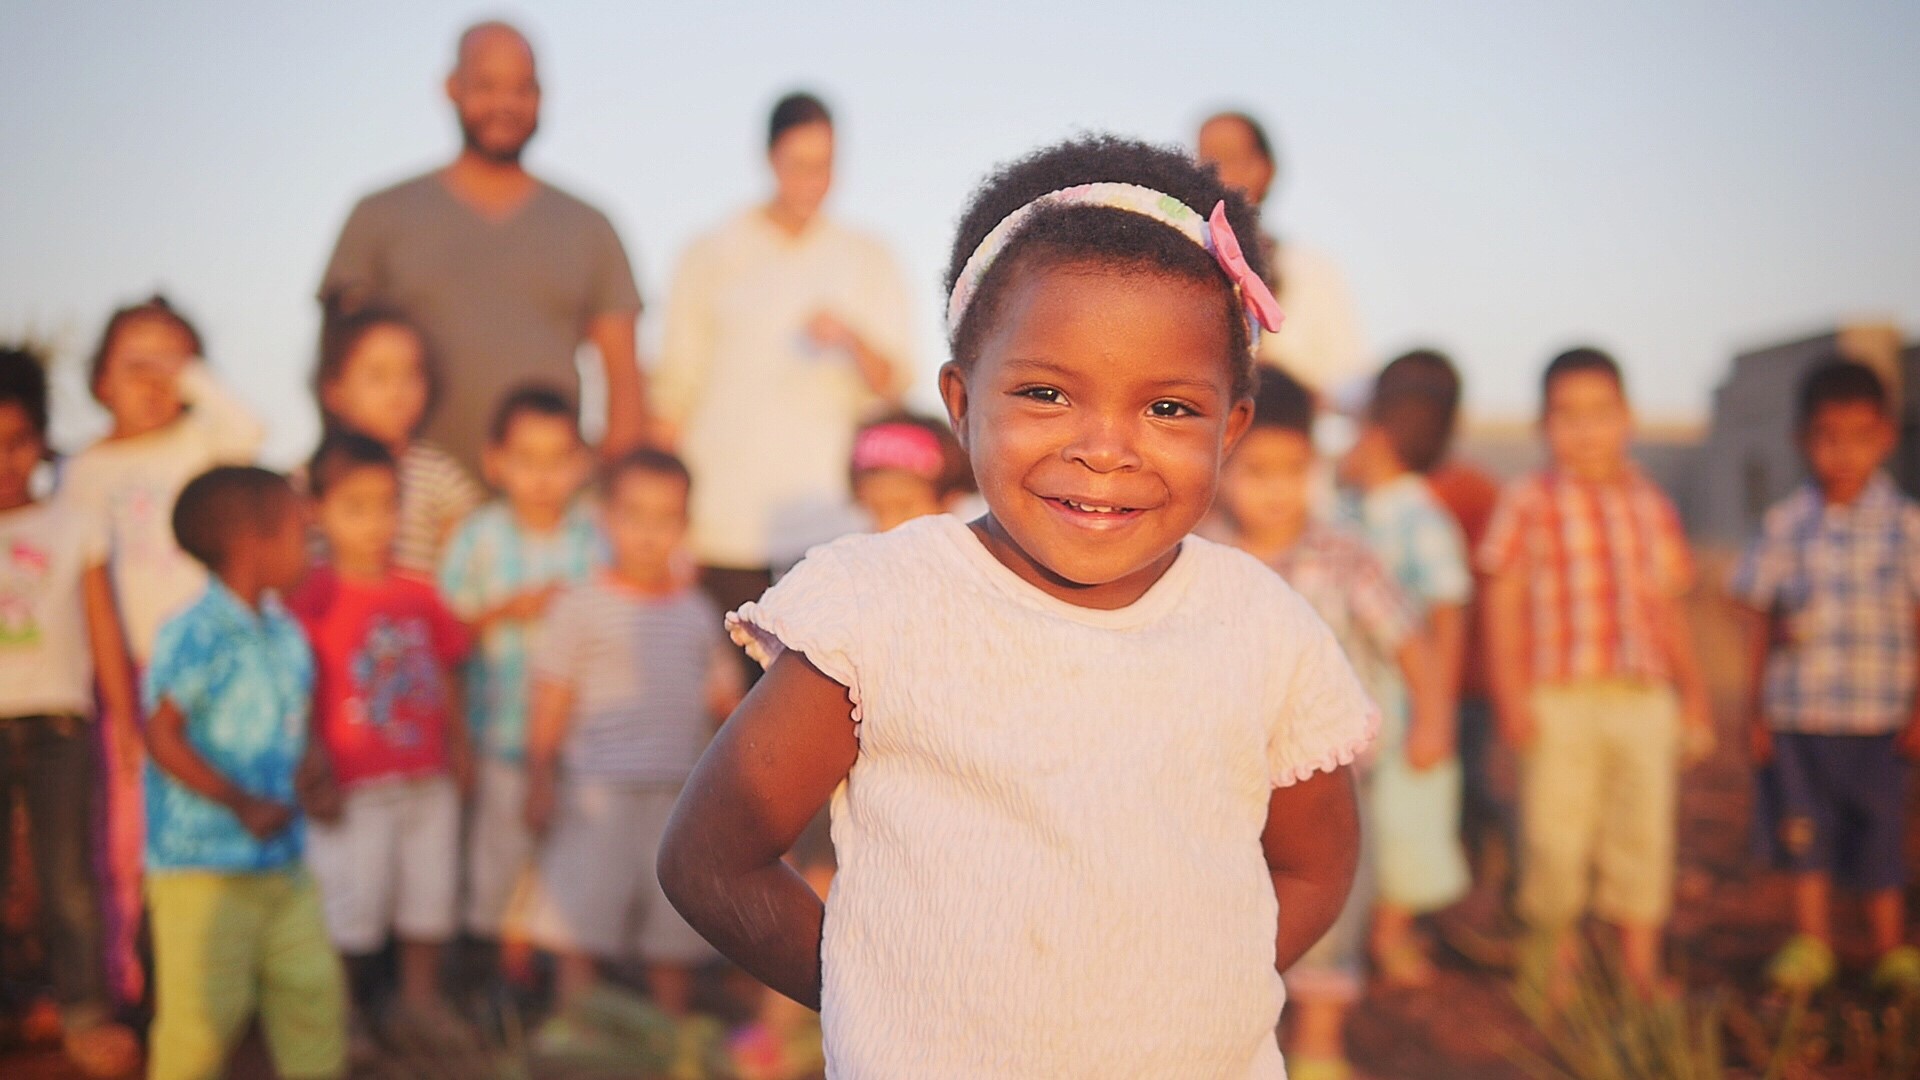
[(1088, 773)]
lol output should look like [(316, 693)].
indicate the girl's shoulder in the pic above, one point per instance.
[(1241, 588), (916, 542)]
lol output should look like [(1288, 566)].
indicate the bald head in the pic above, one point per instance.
[(486, 39), (495, 90), (1237, 147)]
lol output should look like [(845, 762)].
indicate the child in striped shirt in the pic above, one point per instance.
[(1595, 679), (376, 379), (629, 681)]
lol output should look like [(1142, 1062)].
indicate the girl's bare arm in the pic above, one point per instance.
[(772, 766), (1312, 845)]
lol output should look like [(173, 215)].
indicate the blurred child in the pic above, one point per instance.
[(376, 378), (1486, 768), (171, 421), (1088, 773), (1832, 581), (1266, 495), (1594, 675), (386, 720), (58, 632), (905, 467), (237, 924), (1416, 784), (503, 568), (631, 677)]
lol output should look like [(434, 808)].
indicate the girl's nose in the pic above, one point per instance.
[(1104, 447)]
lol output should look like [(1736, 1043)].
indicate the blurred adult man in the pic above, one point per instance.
[(505, 274)]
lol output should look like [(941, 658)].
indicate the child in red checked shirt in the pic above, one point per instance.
[(385, 712)]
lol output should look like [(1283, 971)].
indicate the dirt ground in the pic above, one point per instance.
[(1729, 916)]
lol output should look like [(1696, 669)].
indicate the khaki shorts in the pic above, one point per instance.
[(596, 891), (1597, 803), (390, 865), (499, 851), (226, 946)]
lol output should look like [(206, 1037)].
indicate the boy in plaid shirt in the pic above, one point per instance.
[(1595, 681), (1832, 581)]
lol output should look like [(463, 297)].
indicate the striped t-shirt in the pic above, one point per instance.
[(436, 494), (638, 667)]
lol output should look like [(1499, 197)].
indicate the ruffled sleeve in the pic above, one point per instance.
[(1324, 719), (815, 611)]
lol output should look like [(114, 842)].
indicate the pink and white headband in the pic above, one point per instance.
[(1213, 234), (907, 447)]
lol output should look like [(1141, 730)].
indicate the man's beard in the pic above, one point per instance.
[(499, 156)]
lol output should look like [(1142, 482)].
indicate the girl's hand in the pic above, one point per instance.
[(129, 750), (1428, 745), (1518, 726), (541, 799), (314, 786), (1908, 742), (1696, 731), (460, 765), (529, 605), (264, 818), (828, 332)]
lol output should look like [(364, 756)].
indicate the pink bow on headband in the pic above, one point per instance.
[(1262, 308)]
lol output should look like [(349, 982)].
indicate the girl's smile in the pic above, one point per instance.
[(1096, 418)]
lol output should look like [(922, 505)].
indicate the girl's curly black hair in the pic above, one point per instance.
[(1099, 235)]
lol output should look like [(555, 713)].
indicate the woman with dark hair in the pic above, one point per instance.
[(1320, 343), (784, 330)]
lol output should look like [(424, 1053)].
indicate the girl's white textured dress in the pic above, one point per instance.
[(1049, 845)]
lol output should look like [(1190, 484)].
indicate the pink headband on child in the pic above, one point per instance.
[(906, 447), (1213, 234)]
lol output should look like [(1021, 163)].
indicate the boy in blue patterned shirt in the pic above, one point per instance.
[(236, 921), (1403, 433), (503, 567), (1832, 581)]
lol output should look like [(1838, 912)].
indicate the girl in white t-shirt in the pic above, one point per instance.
[(171, 422), (1088, 774)]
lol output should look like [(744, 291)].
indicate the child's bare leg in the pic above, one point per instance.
[(1397, 949), (1812, 902), (420, 973), (1319, 1029), (1886, 919), (1640, 945), (671, 986), (575, 973)]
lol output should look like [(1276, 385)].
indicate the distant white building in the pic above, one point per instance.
[(1750, 459)]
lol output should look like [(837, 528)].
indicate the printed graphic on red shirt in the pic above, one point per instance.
[(384, 650)]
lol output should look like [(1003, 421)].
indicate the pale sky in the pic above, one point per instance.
[(1672, 181)]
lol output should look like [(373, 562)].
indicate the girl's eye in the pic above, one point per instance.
[(1168, 410), (1041, 393)]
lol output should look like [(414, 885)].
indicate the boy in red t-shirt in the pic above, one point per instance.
[(385, 715)]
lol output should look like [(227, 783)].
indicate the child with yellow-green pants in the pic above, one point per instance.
[(236, 921)]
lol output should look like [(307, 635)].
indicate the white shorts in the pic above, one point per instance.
[(499, 850), (596, 891), (388, 866)]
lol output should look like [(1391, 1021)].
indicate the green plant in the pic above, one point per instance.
[(1594, 1025)]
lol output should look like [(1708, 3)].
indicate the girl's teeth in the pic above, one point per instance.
[(1091, 509)]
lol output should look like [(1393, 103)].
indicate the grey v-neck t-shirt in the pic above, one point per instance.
[(501, 303)]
